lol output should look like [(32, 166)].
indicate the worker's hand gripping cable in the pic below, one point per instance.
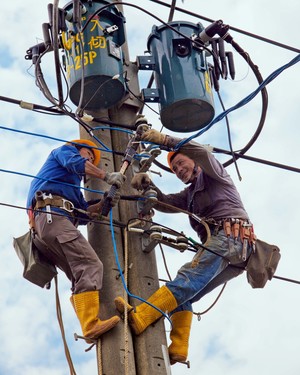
[(131, 150)]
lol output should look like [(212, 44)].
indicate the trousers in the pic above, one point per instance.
[(64, 245), (193, 281)]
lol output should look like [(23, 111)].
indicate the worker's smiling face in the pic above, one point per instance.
[(87, 154), (183, 167)]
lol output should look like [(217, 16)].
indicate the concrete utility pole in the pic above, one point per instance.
[(145, 356)]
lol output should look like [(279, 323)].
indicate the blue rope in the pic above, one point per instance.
[(121, 272), (50, 180), (244, 101), (109, 128), (47, 136)]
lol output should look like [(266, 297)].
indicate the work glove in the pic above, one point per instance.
[(140, 181), (141, 120), (115, 178), (154, 136), (115, 199)]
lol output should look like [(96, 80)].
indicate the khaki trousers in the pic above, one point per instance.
[(64, 245)]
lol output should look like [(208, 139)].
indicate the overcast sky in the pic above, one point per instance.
[(248, 331)]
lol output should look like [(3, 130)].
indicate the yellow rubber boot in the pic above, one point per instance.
[(146, 314), (180, 334), (87, 306)]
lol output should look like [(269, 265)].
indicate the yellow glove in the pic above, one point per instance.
[(140, 181), (154, 136)]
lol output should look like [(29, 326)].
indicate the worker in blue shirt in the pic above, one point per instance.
[(56, 207)]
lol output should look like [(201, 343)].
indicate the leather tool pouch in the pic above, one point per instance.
[(37, 269), (262, 264)]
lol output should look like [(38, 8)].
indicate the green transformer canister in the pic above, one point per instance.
[(93, 54), (182, 77)]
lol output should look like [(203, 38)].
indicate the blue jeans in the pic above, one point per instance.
[(194, 282)]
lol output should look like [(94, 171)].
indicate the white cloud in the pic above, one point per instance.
[(248, 331)]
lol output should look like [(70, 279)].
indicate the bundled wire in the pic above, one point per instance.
[(241, 103)]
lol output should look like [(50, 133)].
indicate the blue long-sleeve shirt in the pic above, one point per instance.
[(63, 165)]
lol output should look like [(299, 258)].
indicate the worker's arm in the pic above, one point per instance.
[(94, 171), (141, 181), (201, 154), (113, 178)]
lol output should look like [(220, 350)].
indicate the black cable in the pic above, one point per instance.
[(278, 44), (122, 225), (229, 138), (286, 279), (56, 52), (172, 10), (32, 106), (257, 160), (165, 261), (264, 97), (55, 213)]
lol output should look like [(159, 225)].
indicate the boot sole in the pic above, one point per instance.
[(102, 328)]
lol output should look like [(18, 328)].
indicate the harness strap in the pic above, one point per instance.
[(55, 201)]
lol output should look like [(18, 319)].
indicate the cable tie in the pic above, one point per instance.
[(87, 118), (26, 105)]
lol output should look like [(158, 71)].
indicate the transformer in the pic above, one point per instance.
[(93, 56), (182, 77)]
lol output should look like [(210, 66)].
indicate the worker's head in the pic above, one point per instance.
[(183, 166), (87, 149)]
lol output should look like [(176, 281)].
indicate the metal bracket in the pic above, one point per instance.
[(145, 62), (94, 341), (150, 95)]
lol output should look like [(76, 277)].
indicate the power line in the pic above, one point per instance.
[(270, 41)]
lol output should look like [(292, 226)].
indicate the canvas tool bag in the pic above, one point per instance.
[(262, 264), (37, 269)]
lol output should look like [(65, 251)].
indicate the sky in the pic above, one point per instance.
[(248, 330)]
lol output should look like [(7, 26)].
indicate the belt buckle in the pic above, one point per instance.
[(65, 202)]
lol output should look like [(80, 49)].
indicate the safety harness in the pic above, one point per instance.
[(55, 201)]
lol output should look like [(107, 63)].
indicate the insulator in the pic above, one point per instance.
[(229, 56), (223, 58)]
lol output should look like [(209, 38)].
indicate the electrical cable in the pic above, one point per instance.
[(257, 160), (31, 106), (48, 137), (196, 245), (97, 12), (123, 225), (122, 276), (103, 220), (140, 100), (244, 101), (229, 138), (56, 52), (231, 27), (50, 180), (165, 261)]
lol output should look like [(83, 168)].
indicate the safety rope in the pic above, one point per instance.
[(193, 216), (213, 304), (99, 356), (62, 330), (126, 268), (126, 348)]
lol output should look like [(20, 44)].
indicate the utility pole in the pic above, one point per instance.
[(144, 353)]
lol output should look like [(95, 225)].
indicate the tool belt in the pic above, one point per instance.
[(236, 228), (56, 201)]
